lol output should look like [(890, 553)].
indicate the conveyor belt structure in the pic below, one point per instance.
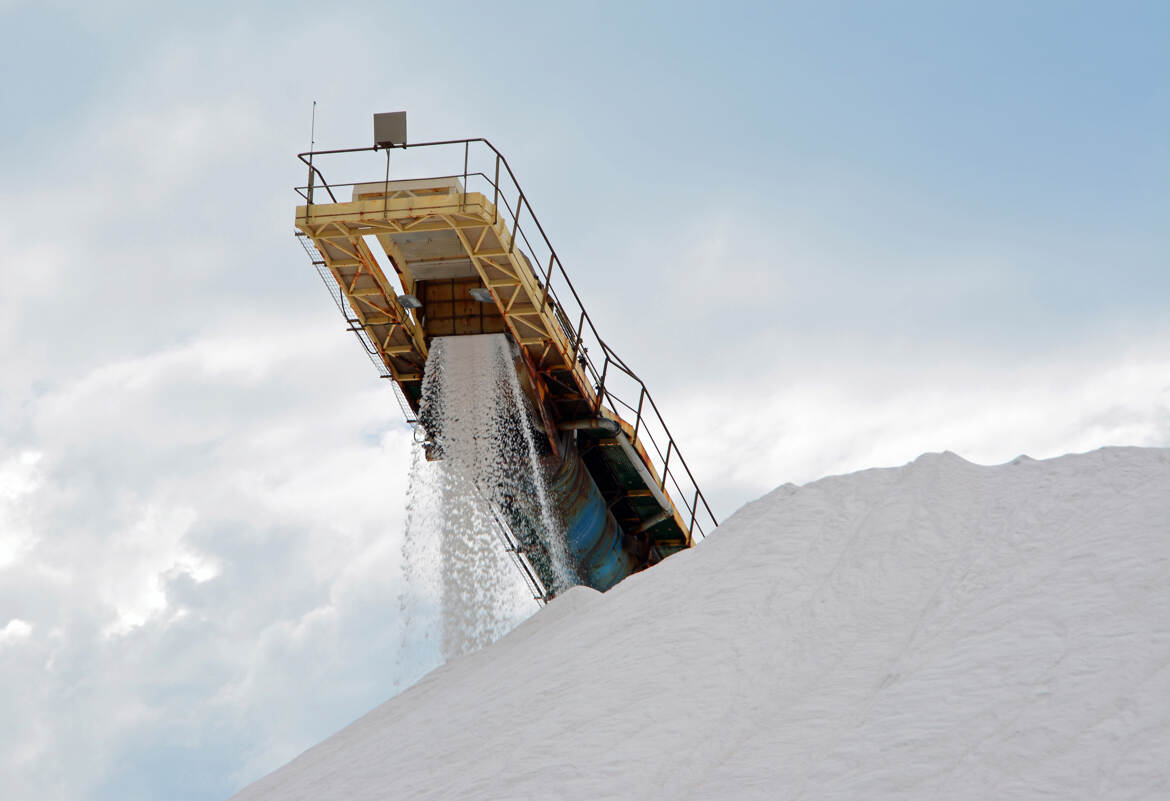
[(410, 259)]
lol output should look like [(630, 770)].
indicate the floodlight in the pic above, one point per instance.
[(482, 294), (409, 302)]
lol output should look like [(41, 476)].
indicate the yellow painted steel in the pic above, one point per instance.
[(434, 241), (397, 218)]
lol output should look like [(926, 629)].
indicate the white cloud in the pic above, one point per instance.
[(210, 527), (14, 630), (779, 428), (151, 549), (19, 477)]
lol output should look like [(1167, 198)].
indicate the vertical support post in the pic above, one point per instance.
[(386, 189), (638, 414), (516, 223), (694, 506), (666, 465), (463, 200), (577, 341), (496, 192), (547, 280), (601, 386)]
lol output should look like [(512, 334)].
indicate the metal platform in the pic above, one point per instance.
[(404, 256)]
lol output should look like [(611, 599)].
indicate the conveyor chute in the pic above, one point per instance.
[(627, 496)]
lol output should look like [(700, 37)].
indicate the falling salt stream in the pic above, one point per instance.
[(459, 579)]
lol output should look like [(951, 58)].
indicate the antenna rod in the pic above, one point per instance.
[(312, 143)]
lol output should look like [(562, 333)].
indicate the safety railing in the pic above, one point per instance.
[(486, 171), (354, 324)]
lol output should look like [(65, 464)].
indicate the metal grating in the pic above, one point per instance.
[(353, 324)]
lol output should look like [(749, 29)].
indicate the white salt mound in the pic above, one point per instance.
[(939, 630)]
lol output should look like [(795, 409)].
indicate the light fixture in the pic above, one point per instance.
[(409, 302), (482, 294)]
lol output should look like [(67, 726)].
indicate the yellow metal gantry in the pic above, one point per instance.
[(462, 264), (432, 232)]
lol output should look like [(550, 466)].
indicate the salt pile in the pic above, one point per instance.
[(939, 630)]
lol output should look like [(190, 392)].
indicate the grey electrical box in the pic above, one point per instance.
[(390, 129)]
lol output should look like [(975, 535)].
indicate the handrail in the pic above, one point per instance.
[(580, 337)]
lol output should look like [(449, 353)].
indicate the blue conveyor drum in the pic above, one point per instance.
[(593, 537)]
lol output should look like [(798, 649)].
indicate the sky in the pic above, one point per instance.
[(828, 236)]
